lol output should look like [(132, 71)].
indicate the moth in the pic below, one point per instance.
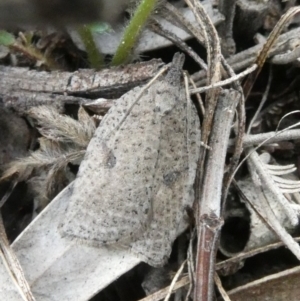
[(137, 176)]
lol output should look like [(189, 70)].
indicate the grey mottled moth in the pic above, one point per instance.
[(138, 172)]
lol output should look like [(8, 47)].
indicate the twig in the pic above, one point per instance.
[(163, 292), (247, 57), (210, 191), (185, 280), (267, 48), (171, 287), (244, 255), (200, 101), (225, 82), (188, 26), (213, 49), (220, 288), (22, 89), (157, 28), (208, 214), (286, 58), (269, 138), (191, 266), (240, 131)]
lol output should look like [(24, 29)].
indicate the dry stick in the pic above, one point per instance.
[(261, 58), (157, 28), (270, 137), (220, 288), (247, 57), (174, 281), (190, 262), (225, 82), (188, 26), (244, 255), (13, 266), (267, 47), (163, 292), (200, 102), (211, 190), (107, 82), (241, 106), (213, 49), (159, 295), (238, 148), (208, 222), (241, 121), (217, 54), (286, 58)]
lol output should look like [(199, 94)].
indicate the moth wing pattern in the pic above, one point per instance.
[(174, 180), (112, 193), (137, 176)]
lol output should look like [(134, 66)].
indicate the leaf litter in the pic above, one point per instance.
[(130, 240)]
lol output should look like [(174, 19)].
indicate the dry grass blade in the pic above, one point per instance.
[(208, 217), (159, 295), (213, 48), (277, 287), (188, 26), (263, 55), (157, 28), (225, 82), (222, 266), (13, 266), (167, 298), (220, 288)]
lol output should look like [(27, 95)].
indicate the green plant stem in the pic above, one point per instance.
[(94, 56), (133, 31)]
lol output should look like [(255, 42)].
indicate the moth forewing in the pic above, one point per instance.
[(138, 172), (175, 175), (112, 194)]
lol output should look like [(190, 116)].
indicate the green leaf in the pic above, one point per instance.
[(95, 58), (133, 31), (6, 38), (99, 27)]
